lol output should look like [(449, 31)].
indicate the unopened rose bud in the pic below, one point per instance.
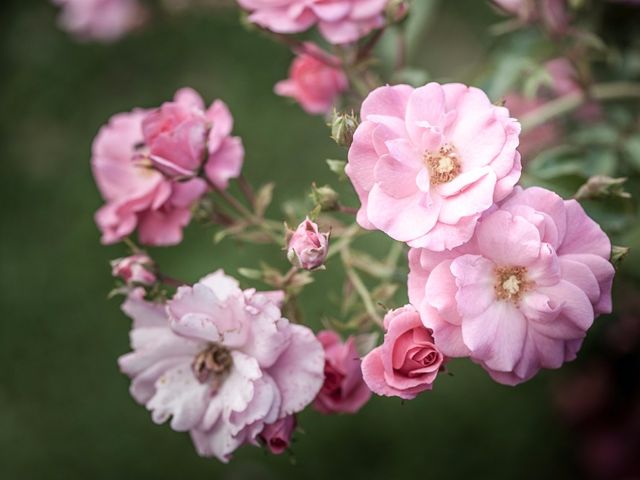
[(602, 186), (618, 253), (134, 270), (343, 125), (397, 11), (325, 196), (277, 436), (307, 247)]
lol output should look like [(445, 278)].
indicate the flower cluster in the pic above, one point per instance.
[(511, 278), (222, 363), (151, 166)]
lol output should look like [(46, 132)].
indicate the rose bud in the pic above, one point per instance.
[(407, 362), (277, 436), (343, 126), (343, 390), (308, 247), (135, 269)]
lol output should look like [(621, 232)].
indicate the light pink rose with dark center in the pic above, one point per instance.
[(220, 362), (407, 362), (523, 293), (339, 21), (313, 83), (344, 390), (427, 162)]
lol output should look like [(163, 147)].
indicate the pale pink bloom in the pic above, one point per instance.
[(182, 135), (427, 162), (277, 436), (136, 195), (103, 20), (344, 390), (134, 270), (307, 246), (554, 14), (220, 362), (523, 293), (407, 362), (313, 83), (339, 21)]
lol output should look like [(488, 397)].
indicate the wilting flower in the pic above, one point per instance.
[(427, 162), (134, 270), (307, 247), (523, 293), (313, 83), (339, 21), (221, 362), (343, 390), (138, 156), (407, 362), (104, 20), (277, 436)]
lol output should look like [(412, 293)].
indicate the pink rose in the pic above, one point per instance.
[(138, 155), (407, 362), (134, 270), (523, 293), (277, 436), (181, 135), (222, 363), (308, 248), (103, 20), (427, 162), (339, 21), (314, 84), (343, 390), (136, 195)]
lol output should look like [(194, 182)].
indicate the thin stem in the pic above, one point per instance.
[(361, 288), (568, 103), (345, 240), (299, 47), (401, 49), (171, 281), (367, 48), (247, 190)]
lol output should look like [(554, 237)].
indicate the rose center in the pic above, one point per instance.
[(511, 282), (443, 165), (212, 365)]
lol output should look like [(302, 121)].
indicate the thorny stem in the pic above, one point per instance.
[(568, 103), (360, 287)]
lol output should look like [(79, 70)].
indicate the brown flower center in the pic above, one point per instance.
[(443, 165), (212, 365), (511, 283)]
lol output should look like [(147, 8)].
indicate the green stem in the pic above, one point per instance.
[(569, 103), (361, 288)]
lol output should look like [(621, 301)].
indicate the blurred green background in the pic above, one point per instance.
[(65, 410)]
